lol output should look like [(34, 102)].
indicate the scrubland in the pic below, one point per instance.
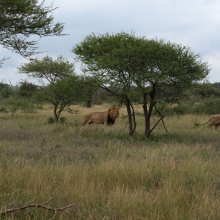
[(106, 173)]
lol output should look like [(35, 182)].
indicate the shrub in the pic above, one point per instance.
[(3, 109), (208, 106), (50, 120), (13, 104), (63, 119), (180, 108)]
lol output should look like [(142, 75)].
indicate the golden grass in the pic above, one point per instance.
[(106, 173)]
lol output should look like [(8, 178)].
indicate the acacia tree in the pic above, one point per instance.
[(164, 65), (64, 86), (22, 21), (124, 60), (106, 59)]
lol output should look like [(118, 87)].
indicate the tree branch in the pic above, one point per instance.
[(36, 207), (156, 124), (2, 61), (159, 113), (43, 206)]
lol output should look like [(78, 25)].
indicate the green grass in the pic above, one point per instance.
[(106, 173)]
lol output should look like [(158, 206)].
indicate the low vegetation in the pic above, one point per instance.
[(104, 172)]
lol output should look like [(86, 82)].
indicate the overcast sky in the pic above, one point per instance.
[(192, 23)]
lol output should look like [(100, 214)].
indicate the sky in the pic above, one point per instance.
[(191, 23)]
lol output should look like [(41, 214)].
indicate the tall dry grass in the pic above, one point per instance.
[(106, 173)]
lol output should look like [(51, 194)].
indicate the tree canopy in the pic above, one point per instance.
[(64, 86), (48, 68), (124, 60), (24, 20)]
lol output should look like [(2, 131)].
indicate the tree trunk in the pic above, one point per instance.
[(88, 103), (55, 112), (148, 111), (146, 116), (131, 116)]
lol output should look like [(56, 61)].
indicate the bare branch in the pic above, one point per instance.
[(156, 124), (43, 206), (2, 61), (161, 117), (36, 207)]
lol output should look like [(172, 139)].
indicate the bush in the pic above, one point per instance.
[(209, 106), (13, 104), (50, 120), (166, 109), (3, 109), (63, 119)]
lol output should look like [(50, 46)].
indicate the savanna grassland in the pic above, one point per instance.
[(106, 173)]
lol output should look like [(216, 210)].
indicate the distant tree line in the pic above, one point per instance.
[(91, 95)]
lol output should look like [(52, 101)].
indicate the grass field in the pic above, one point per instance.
[(106, 173)]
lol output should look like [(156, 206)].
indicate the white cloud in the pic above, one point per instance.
[(213, 61)]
